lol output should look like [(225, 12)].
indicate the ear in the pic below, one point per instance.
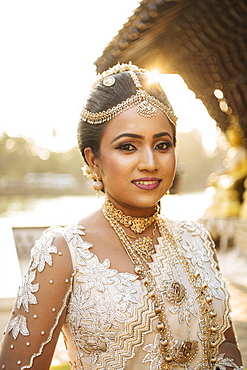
[(92, 160)]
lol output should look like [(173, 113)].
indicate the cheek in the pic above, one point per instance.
[(174, 165), (110, 165), (169, 163), (170, 170)]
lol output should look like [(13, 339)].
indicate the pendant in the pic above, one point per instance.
[(175, 292), (146, 109), (186, 352), (182, 354)]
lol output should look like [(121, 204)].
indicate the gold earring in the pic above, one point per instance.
[(97, 185)]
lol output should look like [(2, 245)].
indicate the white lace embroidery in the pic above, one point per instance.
[(222, 363), (185, 309), (194, 228), (73, 234), (25, 293), (195, 253), (109, 310), (18, 325), (41, 252), (214, 288), (104, 310), (96, 275), (80, 307), (153, 352)]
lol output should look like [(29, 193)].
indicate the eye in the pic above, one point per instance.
[(163, 145), (127, 147)]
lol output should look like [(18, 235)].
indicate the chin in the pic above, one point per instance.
[(142, 200), (146, 202)]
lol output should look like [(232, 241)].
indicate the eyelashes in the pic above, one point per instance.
[(128, 147), (164, 145)]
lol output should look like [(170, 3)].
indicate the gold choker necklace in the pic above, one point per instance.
[(136, 224)]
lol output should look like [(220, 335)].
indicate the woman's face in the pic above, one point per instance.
[(137, 160)]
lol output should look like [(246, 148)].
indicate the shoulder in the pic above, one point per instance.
[(52, 248), (60, 234), (191, 231), (185, 227)]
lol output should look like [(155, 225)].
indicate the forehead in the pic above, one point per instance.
[(130, 121)]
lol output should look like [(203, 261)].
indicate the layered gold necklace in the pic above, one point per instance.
[(141, 246), (141, 254)]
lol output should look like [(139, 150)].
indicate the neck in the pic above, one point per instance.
[(136, 224), (133, 211)]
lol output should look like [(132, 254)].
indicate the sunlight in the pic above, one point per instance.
[(47, 70), (191, 112), (153, 75)]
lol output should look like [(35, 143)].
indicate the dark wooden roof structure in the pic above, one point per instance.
[(204, 41)]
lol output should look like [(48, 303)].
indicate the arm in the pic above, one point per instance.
[(228, 347), (40, 307)]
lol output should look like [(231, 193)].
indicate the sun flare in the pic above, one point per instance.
[(43, 90)]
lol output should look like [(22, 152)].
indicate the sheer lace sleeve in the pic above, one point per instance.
[(40, 308)]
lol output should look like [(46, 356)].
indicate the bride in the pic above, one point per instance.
[(129, 288)]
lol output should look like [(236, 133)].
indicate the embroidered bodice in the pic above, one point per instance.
[(108, 319)]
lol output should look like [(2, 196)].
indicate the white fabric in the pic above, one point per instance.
[(108, 318)]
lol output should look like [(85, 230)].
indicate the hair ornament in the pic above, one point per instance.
[(146, 103), (116, 69), (109, 81), (86, 170), (146, 109)]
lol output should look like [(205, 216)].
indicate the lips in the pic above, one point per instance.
[(147, 183)]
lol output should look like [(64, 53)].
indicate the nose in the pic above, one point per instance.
[(147, 160)]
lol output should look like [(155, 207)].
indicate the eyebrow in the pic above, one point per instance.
[(127, 134)]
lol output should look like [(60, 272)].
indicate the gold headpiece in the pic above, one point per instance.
[(146, 103)]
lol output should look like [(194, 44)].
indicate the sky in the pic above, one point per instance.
[(48, 49)]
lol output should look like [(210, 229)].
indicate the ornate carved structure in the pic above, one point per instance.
[(205, 42)]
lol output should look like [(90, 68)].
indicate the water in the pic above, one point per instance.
[(63, 210), (45, 211)]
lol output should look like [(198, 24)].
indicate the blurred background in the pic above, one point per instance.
[(48, 51)]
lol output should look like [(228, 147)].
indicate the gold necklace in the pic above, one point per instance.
[(139, 250), (172, 354), (209, 335), (143, 244), (136, 224)]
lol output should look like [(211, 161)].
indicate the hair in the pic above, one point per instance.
[(105, 97)]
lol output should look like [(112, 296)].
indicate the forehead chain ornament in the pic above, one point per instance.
[(146, 103)]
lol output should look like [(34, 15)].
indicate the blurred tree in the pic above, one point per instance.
[(19, 156)]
